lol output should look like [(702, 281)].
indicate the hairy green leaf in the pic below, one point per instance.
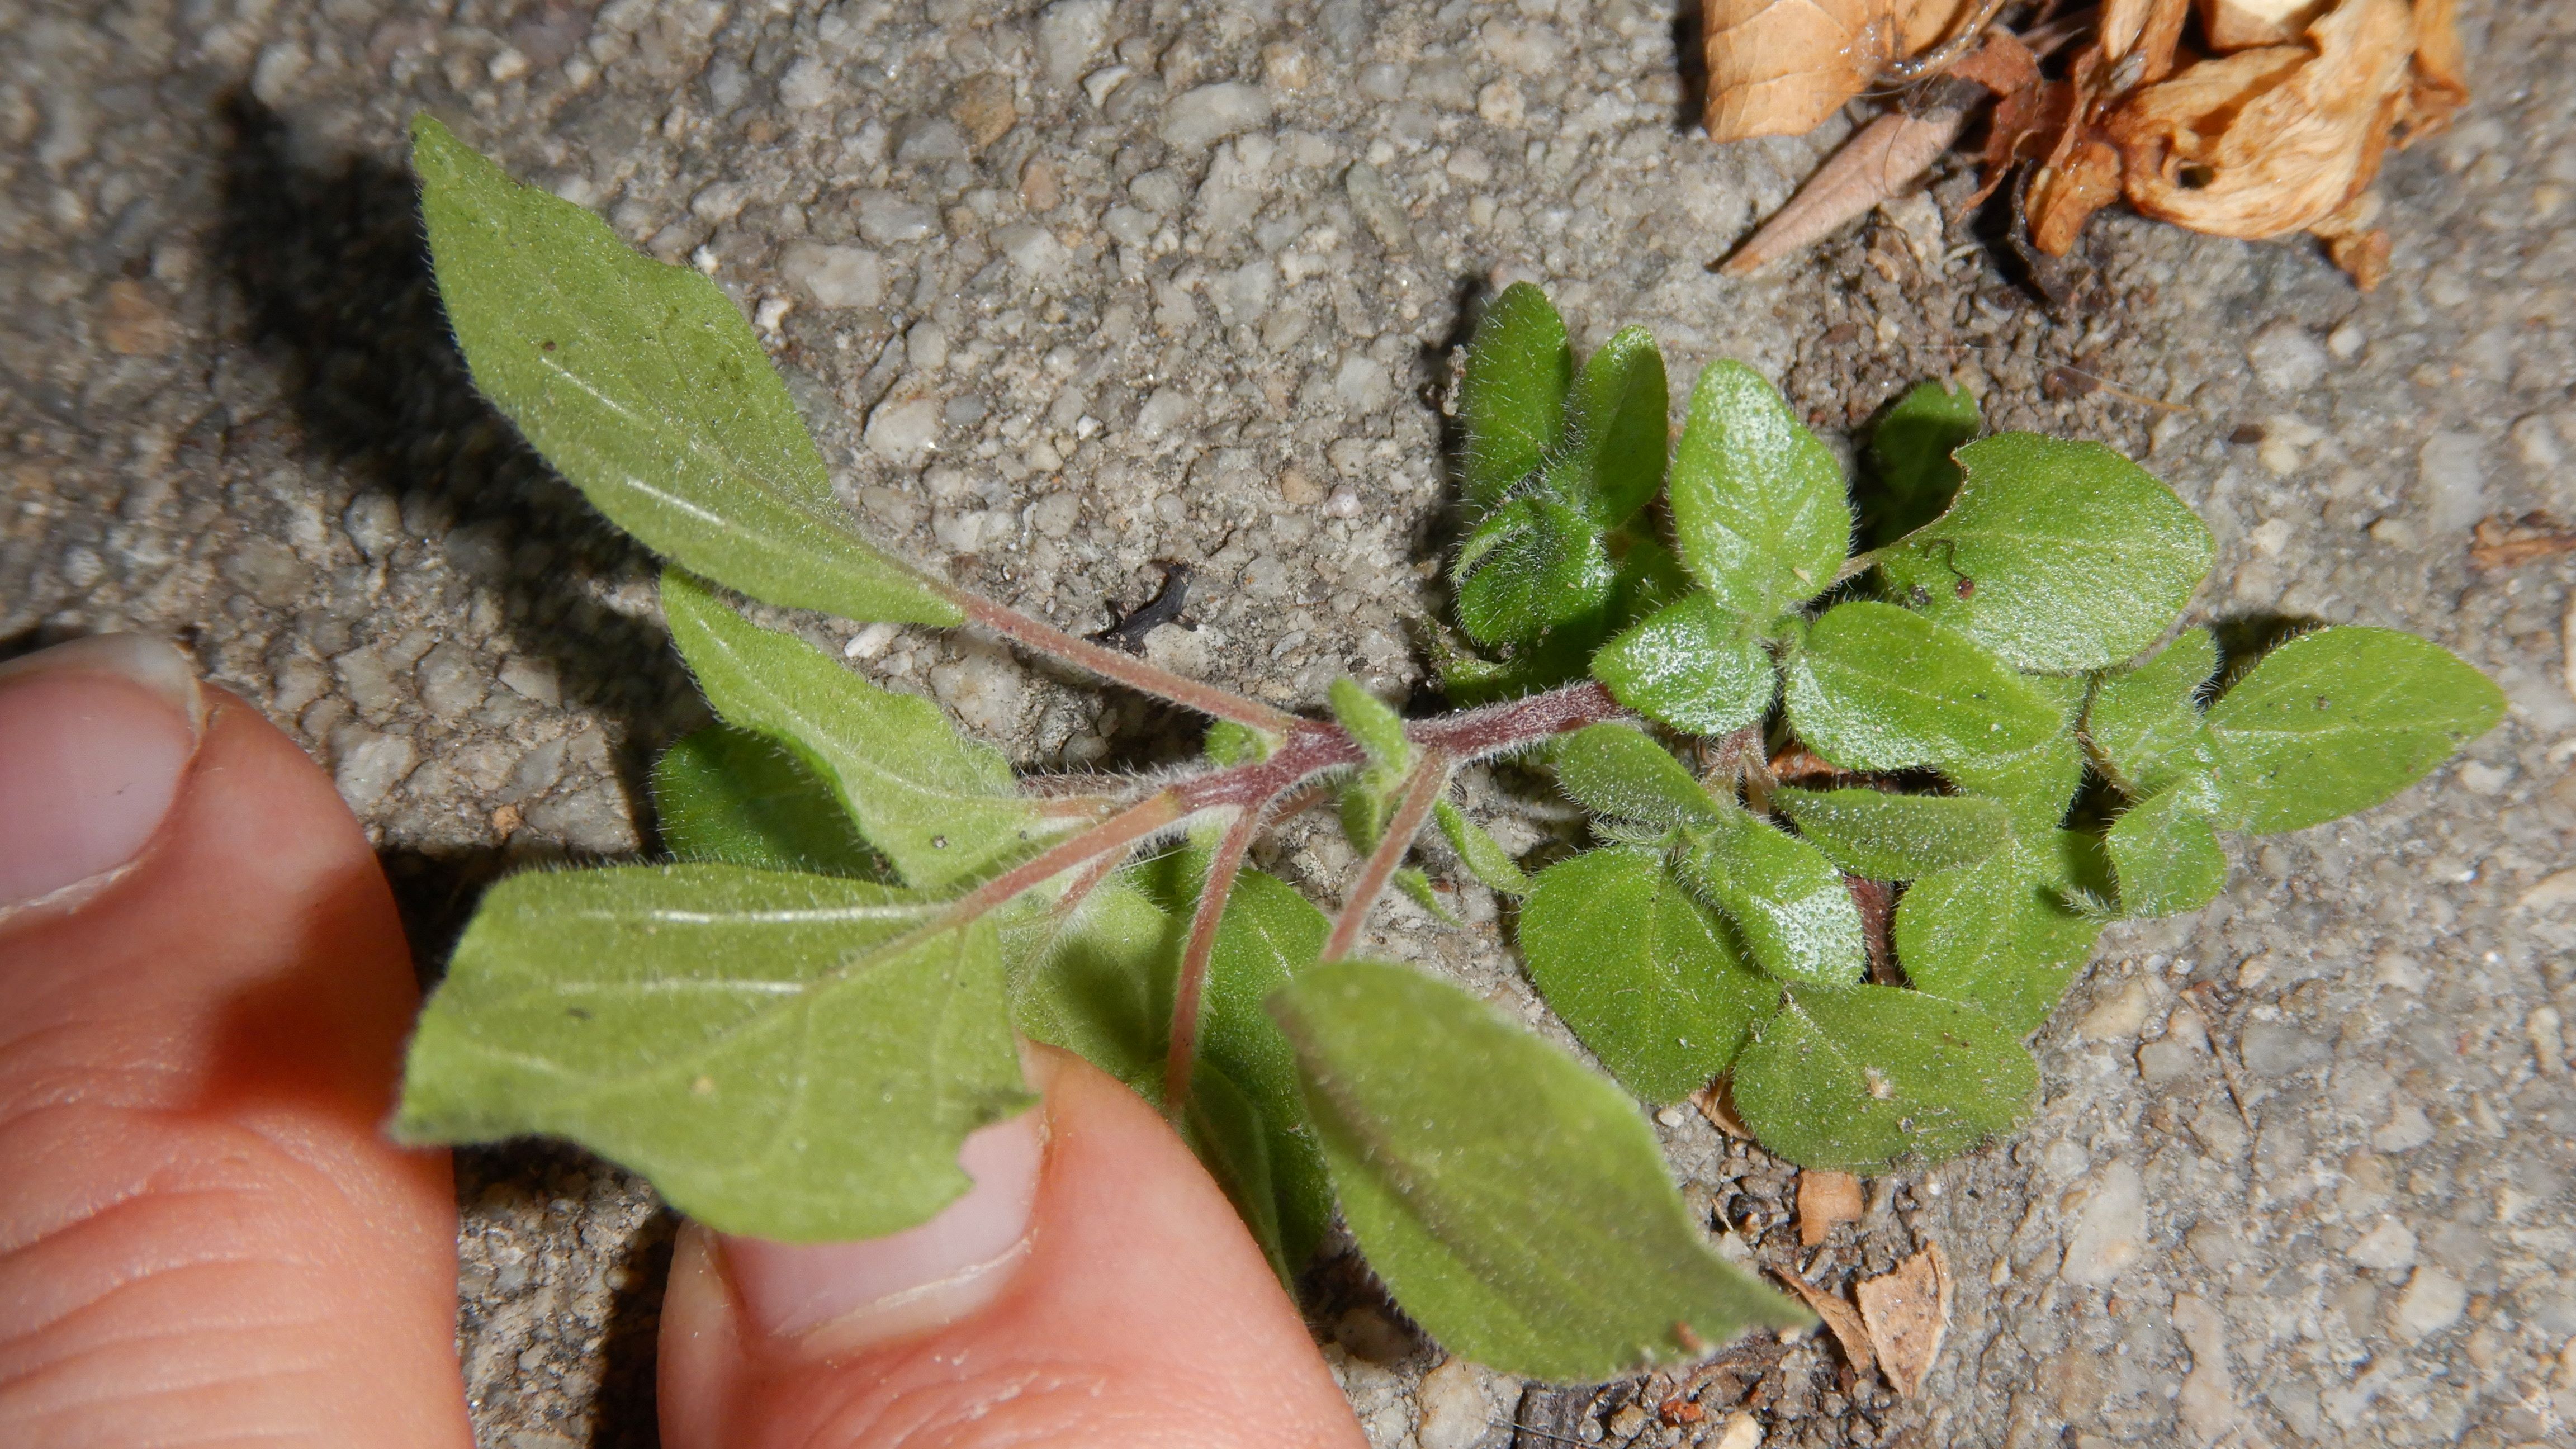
[(1911, 448), (2037, 785), (643, 385), (1099, 983), (1790, 904), (1616, 426), (1758, 503), (1533, 565), (2145, 722), (1691, 666), (1881, 836), (941, 807), (1417, 886), (1512, 400), (2341, 719), (1860, 1079), (1617, 771), (791, 1056), (2002, 934), (2166, 856), (1460, 1144), (2058, 556), (1880, 688), (1647, 976), (1229, 743), (1483, 855), (730, 795)]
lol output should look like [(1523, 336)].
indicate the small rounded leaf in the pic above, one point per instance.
[(2058, 556), (1881, 688), (1860, 1079), (1691, 666)]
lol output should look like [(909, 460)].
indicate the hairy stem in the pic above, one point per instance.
[(1115, 834), (1126, 669), (1422, 788), (1188, 992)]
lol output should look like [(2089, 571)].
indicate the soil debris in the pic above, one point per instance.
[(1826, 1200)]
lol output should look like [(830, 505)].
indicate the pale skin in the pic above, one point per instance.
[(206, 1239)]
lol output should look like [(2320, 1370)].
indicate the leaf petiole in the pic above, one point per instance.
[(1126, 669), (1422, 788), (1192, 986)]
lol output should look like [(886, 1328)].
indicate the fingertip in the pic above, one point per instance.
[(1136, 1312)]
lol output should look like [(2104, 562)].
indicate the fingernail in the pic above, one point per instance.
[(836, 1297), (95, 736)]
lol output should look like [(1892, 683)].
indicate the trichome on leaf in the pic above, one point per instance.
[(791, 1026)]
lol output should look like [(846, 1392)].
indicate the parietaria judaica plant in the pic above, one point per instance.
[(1931, 772)]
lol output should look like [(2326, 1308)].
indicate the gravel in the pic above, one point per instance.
[(1068, 291)]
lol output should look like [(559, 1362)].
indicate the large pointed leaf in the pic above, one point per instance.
[(1758, 503), (1617, 427), (2058, 556), (1789, 903), (1877, 687), (2166, 856), (791, 1056), (730, 795), (2002, 934), (2145, 722), (1644, 974), (1515, 1203), (1512, 400), (1883, 836), (643, 385), (2341, 719), (1692, 666), (941, 807), (1861, 1079), (1620, 773)]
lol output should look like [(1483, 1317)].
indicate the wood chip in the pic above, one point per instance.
[(2505, 543), (1716, 1104), (1904, 1314), (1840, 1317), (1825, 1201)]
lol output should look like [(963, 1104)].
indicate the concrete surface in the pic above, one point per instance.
[(1065, 294)]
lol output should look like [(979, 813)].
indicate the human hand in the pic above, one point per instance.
[(206, 1238)]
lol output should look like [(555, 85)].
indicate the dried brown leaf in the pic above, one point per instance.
[(1826, 1200), (2275, 139), (2065, 194), (2135, 45), (1717, 1103), (1884, 158), (1905, 1314), (2439, 86), (1780, 67), (2237, 24), (1840, 1317), (2002, 64)]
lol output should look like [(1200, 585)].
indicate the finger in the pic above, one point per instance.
[(203, 1236), (1092, 1290)]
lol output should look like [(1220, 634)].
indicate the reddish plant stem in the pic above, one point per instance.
[(1421, 789), (1126, 669), (1183, 1052), (1115, 834), (1517, 724)]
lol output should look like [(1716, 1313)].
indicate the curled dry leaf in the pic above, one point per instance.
[(2236, 24), (1905, 1314), (1780, 67), (2274, 139)]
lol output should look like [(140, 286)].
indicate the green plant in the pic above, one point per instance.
[(791, 1026)]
